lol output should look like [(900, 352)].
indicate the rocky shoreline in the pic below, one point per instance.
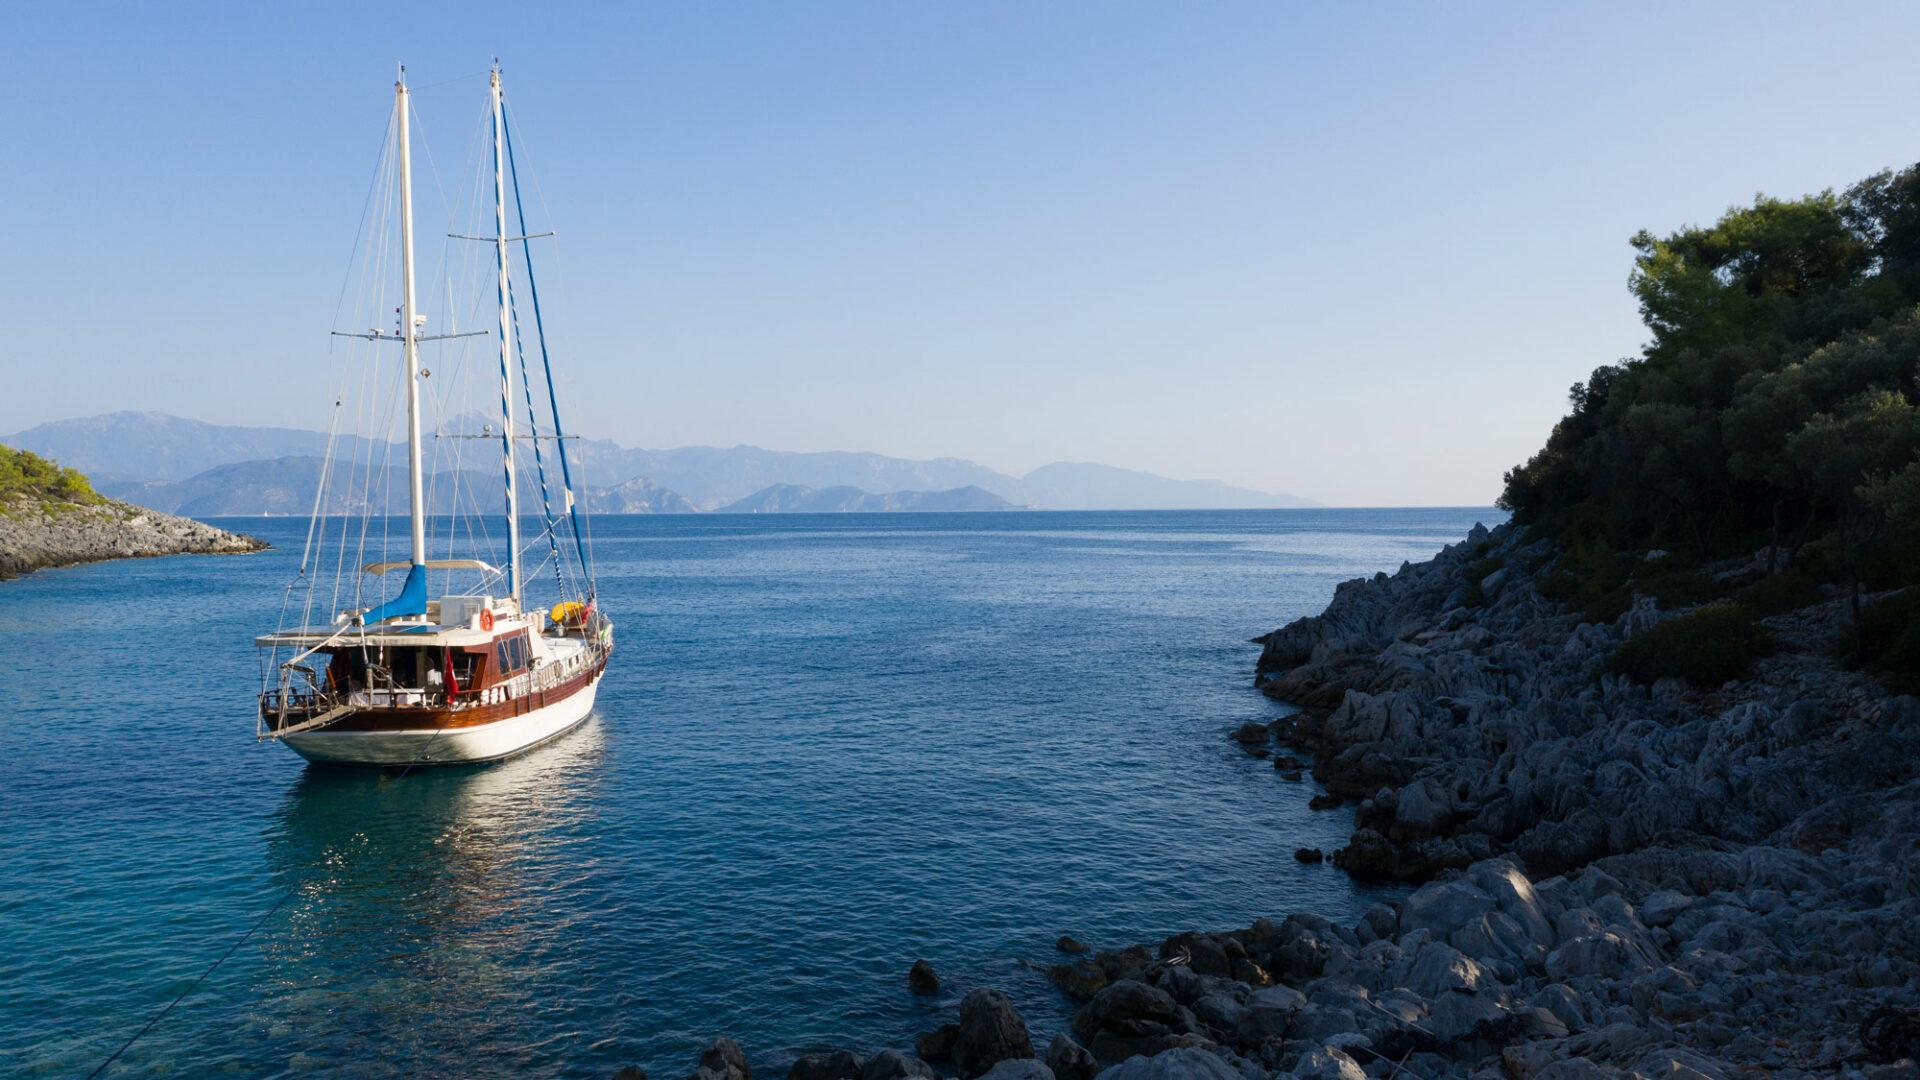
[(1621, 880), (36, 534)]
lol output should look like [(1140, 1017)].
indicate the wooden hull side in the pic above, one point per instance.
[(451, 745)]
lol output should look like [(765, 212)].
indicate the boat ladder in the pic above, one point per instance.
[(325, 718)]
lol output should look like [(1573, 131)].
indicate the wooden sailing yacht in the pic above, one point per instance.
[(470, 676)]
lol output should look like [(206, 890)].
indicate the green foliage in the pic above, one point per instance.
[(1480, 568), (1706, 646), (1887, 642), (1776, 402), (25, 474), (1789, 590)]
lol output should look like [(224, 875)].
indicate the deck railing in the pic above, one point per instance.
[(301, 694)]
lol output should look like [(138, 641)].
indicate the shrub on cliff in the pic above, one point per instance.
[(1706, 646), (1888, 641), (28, 475)]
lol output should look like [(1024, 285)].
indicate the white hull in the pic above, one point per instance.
[(453, 746)]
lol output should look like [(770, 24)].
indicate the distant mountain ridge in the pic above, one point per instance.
[(132, 453), (796, 499)]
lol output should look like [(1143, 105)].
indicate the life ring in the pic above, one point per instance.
[(486, 619)]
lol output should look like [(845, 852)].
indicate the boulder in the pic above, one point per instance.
[(1605, 955), (1130, 1017), (837, 1065), (1424, 808), (1205, 953), (630, 1072), (1515, 896), (1067, 943), (990, 1031), (1457, 1017), (1268, 1012), (1079, 980), (1069, 1060), (894, 1065), (1662, 906), (1131, 1007), (1441, 907), (1328, 1063), (1438, 968), (1309, 855), (1185, 1063), (937, 1045), (1252, 734), (1019, 1069), (723, 1060), (1677, 1063), (922, 979)]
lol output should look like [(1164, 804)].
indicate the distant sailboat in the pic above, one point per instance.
[(471, 676)]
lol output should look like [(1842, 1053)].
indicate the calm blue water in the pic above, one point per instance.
[(827, 745)]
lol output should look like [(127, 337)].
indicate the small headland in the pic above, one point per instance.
[(51, 516)]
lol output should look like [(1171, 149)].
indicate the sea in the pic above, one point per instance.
[(827, 746)]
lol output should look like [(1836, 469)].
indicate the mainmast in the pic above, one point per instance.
[(506, 343), (416, 497)]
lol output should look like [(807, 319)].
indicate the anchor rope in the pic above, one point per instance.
[(184, 994)]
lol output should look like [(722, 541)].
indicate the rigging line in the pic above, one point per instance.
[(539, 458), (231, 949), (540, 331), (373, 289), (444, 82), (383, 171), (379, 165)]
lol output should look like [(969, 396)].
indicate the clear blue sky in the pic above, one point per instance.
[(1352, 251)]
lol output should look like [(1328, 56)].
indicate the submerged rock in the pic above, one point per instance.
[(1067, 943), (1252, 734), (723, 1060), (836, 1065), (922, 979)]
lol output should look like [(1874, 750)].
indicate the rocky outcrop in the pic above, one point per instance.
[(36, 535), (1471, 719), (1619, 880)]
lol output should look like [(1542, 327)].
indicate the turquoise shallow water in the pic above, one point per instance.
[(827, 745)]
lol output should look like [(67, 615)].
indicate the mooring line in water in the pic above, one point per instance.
[(231, 949)]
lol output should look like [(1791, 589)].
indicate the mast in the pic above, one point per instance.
[(412, 598), (506, 343), (546, 362), (416, 497)]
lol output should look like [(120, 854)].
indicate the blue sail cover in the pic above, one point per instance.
[(411, 601)]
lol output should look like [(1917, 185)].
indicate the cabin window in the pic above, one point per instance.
[(511, 653)]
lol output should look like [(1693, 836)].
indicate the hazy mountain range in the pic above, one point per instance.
[(796, 499), (193, 467)]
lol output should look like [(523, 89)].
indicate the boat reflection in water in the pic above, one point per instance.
[(429, 912)]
